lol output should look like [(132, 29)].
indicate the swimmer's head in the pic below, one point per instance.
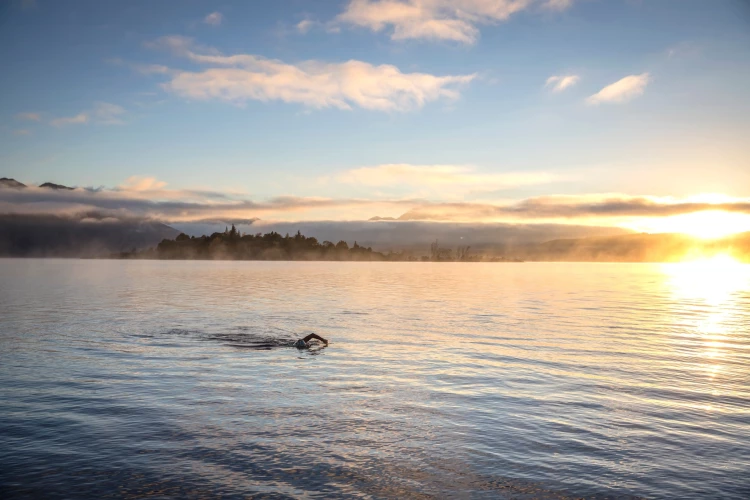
[(301, 344)]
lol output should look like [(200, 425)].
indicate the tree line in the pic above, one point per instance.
[(232, 245)]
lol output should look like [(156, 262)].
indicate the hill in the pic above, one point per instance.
[(52, 185), (5, 182)]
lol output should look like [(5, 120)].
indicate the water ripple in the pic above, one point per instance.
[(177, 379)]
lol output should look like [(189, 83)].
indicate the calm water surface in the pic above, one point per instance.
[(137, 378)]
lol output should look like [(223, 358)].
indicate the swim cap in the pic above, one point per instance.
[(301, 344)]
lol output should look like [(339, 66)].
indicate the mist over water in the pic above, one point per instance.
[(151, 378)]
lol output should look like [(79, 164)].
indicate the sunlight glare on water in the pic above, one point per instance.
[(162, 379)]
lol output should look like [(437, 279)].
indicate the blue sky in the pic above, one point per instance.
[(470, 101)]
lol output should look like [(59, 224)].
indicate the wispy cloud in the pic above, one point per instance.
[(144, 69), (141, 184), (558, 83), (70, 120), (152, 69), (103, 113), (622, 90), (436, 176), (22, 131), (557, 4), (454, 20), (107, 113), (34, 117), (315, 84), (214, 18)]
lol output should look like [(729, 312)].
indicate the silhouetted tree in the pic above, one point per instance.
[(462, 253), (434, 250)]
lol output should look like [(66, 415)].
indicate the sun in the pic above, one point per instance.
[(709, 224)]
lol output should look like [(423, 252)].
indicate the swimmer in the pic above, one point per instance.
[(305, 342)]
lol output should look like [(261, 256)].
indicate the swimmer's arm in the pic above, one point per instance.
[(314, 336)]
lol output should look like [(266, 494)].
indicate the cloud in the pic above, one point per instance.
[(305, 25), (557, 4), (622, 90), (22, 131), (558, 83), (70, 120), (154, 201), (138, 183), (144, 69), (34, 117), (570, 207), (28, 4), (148, 197), (454, 20), (214, 18), (152, 69), (453, 176), (315, 84), (103, 113), (107, 113)]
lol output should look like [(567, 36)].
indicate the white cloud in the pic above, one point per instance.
[(214, 18), (558, 83), (305, 25), (454, 20), (103, 113), (33, 117), (315, 84), (622, 90)]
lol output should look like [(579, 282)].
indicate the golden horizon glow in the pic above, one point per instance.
[(709, 224)]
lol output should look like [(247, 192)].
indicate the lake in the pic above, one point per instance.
[(135, 379)]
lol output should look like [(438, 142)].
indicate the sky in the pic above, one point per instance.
[(622, 112)]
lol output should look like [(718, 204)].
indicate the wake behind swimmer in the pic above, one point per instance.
[(304, 343)]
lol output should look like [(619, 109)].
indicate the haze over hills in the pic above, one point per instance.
[(82, 234), (105, 231)]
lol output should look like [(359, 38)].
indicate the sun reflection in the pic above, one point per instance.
[(711, 287), (713, 280)]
